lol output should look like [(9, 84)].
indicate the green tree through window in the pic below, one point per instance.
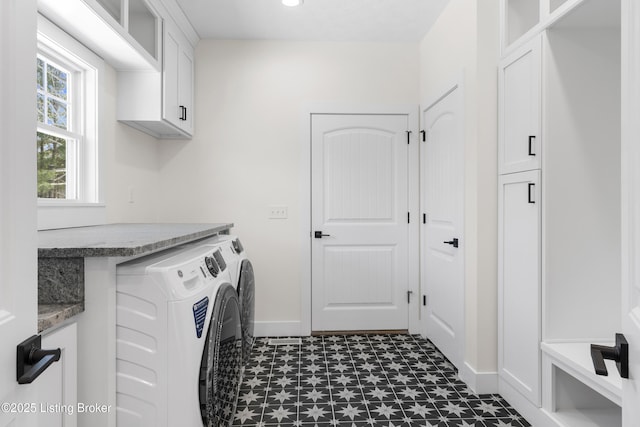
[(53, 145)]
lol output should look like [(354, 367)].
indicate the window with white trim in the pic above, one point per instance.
[(67, 80), (59, 134)]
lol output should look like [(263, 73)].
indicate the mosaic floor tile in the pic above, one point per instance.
[(362, 380)]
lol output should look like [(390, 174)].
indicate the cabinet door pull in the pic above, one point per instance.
[(531, 185), (531, 139), (32, 360), (183, 113)]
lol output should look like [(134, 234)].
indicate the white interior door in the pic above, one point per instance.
[(18, 279), (442, 239), (359, 207), (631, 207)]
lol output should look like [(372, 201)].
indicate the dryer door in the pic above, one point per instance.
[(220, 369), (246, 295)]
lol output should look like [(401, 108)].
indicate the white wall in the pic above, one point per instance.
[(465, 38), (245, 154), (131, 162)]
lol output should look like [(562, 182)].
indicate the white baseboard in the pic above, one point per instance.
[(479, 382), (536, 416), (284, 328)]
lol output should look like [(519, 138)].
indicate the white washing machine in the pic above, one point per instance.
[(179, 340), (242, 276)]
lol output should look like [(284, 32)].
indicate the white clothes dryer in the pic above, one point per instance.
[(242, 276), (178, 340)]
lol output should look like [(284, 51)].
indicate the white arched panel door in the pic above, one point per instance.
[(359, 170), (442, 239)]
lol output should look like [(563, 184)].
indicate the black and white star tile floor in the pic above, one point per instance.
[(362, 380)]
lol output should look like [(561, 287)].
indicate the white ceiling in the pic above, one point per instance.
[(317, 20)]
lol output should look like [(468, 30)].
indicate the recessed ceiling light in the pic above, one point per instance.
[(292, 3)]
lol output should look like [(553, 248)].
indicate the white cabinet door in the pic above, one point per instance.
[(185, 87), (519, 273), (177, 79), (520, 147), (58, 385), (171, 55)]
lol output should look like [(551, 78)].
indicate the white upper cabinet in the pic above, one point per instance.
[(153, 54), (178, 79), (160, 103), (519, 17), (126, 33), (522, 20), (520, 147)]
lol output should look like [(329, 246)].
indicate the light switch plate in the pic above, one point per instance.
[(278, 212)]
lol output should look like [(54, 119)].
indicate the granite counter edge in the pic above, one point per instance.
[(86, 252)]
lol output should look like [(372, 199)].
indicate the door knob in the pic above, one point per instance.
[(453, 242), (618, 353), (32, 360), (320, 234)]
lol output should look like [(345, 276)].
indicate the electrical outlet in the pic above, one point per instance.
[(278, 212)]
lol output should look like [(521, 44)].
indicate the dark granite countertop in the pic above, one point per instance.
[(116, 240), (50, 315)]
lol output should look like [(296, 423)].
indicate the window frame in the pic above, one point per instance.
[(88, 208), (74, 133)]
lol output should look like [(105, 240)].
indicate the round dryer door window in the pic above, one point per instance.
[(246, 294), (220, 370)]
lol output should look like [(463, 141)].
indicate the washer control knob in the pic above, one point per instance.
[(212, 266)]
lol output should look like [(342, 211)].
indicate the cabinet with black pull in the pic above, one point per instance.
[(519, 278), (559, 241), (520, 203), (160, 102), (520, 97)]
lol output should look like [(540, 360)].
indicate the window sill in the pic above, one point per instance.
[(66, 214)]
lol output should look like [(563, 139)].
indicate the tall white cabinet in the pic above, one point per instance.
[(559, 209), (520, 220)]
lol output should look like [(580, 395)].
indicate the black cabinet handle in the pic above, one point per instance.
[(320, 234), (32, 360), (531, 186), (183, 113), (618, 353), (531, 138), (453, 242)]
